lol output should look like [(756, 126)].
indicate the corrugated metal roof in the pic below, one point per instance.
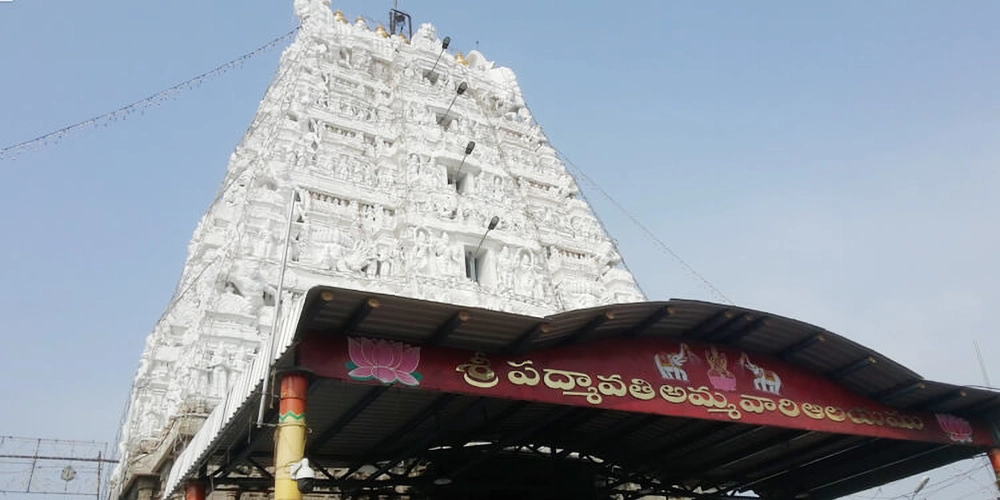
[(355, 424)]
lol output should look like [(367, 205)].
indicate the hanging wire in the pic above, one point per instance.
[(126, 111), (181, 289), (663, 246), (578, 172)]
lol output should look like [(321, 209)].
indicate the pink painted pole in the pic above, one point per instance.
[(995, 460)]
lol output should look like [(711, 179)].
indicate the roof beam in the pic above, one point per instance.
[(316, 305), (322, 486), (982, 405), (255, 436), (801, 345), (704, 442), (880, 474), (948, 397), (359, 315), (833, 447), (260, 468), (752, 325), (348, 417), (429, 411), (785, 440), (853, 367), (588, 327), (616, 431), (402, 430), (517, 438), (525, 339), (685, 425), (571, 422), (852, 463), (621, 428), (899, 390), (676, 437), (736, 321), (710, 324), (446, 328), (423, 442), (492, 423), (649, 321), (728, 443)]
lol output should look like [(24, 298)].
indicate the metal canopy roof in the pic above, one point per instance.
[(389, 439)]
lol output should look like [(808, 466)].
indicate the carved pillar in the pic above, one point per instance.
[(195, 491), (291, 440)]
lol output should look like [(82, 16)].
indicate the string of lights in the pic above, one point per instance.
[(183, 288), (127, 111)]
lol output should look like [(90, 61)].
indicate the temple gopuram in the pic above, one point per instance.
[(400, 293)]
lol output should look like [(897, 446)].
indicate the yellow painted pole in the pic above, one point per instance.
[(290, 444)]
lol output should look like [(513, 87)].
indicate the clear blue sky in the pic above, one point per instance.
[(836, 162)]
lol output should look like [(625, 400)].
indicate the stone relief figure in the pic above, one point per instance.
[(457, 264), (442, 255), (356, 258), (371, 218), (247, 277), (555, 258), (420, 255), (369, 264), (385, 176), (220, 380), (362, 60), (344, 57), (326, 256), (383, 260), (505, 269), (524, 275), (233, 302)]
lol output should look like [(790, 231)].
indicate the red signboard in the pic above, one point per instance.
[(648, 375)]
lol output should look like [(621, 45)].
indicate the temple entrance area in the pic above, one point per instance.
[(647, 400)]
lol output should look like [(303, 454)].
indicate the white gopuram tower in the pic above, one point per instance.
[(358, 172)]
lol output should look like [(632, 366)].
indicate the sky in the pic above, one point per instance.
[(836, 162)]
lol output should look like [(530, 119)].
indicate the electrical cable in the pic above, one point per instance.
[(663, 246), (577, 171), (127, 110)]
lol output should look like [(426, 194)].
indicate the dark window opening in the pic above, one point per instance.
[(432, 76), (444, 121), (458, 180), (473, 264)]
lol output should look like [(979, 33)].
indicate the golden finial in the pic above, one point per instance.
[(339, 16), (380, 31), (403, 36), (460, 59)]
